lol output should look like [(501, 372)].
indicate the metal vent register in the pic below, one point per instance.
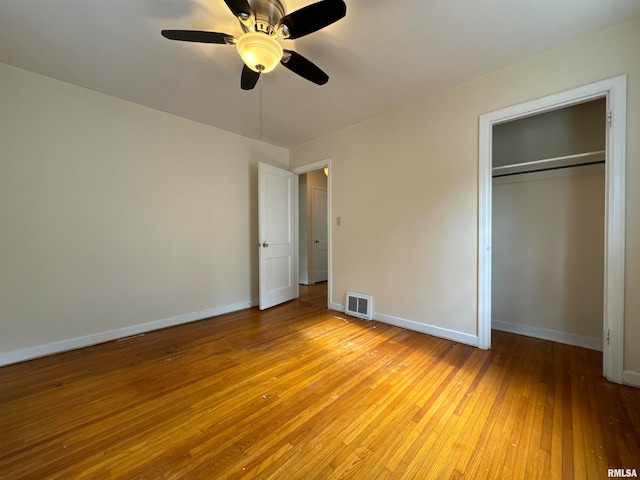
[(359, 305)]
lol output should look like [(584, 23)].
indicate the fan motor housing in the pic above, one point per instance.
[(267, 13)]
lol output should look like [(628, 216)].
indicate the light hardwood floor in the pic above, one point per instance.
[(299, 392)]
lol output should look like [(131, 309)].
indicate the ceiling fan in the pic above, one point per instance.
[(263, 23)]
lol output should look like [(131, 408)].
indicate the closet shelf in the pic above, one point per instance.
[(575, 160)]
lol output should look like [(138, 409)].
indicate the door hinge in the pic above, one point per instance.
[(609, 117), (607, 337)]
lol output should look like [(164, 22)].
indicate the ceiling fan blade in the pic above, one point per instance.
[(249, 78), (312, 18), (198, 36), (240, 8), (303, 67)]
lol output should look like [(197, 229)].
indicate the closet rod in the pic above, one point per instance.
[(498, 175)]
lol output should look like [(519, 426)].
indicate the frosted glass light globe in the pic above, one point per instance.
[(259, 51)]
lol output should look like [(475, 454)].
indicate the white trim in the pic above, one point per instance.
[(615, 225), (312, 166), (96, 338), (338, 307), (296, 233), (485, 186), (432, 330), (614, 90), (591, 343), (631, 378), (305, 169), (428, 329)]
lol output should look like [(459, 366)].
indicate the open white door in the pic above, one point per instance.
[(276, 235)]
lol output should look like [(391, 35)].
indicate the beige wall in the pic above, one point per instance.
[(114, 215), (406, 185)]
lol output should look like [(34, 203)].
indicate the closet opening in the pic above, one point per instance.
[(548, 224), (313, 230)]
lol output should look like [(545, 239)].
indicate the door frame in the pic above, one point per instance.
[(615, 91), (299, 171)]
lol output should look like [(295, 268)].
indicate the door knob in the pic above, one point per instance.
[(317, 241), (265, 244)]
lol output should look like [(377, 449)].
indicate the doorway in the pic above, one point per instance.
[(614, 91), (313, 238), (313, 216)]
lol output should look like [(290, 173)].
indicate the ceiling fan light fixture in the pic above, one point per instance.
[(260, 52)]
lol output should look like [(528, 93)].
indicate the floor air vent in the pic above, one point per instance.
[(359, 305)]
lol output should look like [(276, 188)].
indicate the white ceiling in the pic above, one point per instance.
[(383, 54)]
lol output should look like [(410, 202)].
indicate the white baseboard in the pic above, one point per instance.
[(337, 307), (548, 334), (439, 332), (37, 351), (631, 378), (428, 329)]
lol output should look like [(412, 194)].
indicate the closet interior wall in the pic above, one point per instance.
[(548, 225)]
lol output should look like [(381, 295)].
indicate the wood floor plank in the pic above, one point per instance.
[(300, 392)]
